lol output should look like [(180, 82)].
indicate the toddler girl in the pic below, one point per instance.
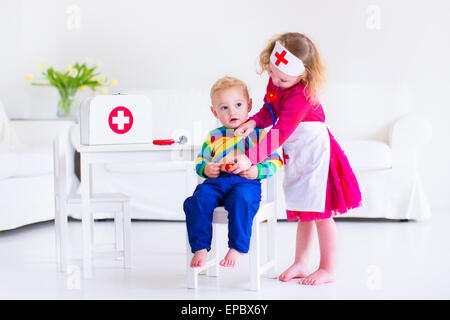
[(319, 182)]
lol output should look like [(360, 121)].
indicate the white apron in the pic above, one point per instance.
[(307, 161)]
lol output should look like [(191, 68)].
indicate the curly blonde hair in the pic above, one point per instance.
[(226, 83), (304, 49)]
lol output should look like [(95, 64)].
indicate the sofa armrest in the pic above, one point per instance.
[(39, 132), (406, 137)]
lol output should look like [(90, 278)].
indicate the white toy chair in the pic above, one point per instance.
[(67, 201), (267, 213)]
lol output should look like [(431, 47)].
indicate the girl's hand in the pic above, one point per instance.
[(226, 166), (245, 128), (242, 163), (212, 170), (252, 173)]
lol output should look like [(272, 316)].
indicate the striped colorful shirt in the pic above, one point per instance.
[(221, 146)]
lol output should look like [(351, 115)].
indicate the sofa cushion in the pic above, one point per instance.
[(367, 154), (26, 161), (8, 163)]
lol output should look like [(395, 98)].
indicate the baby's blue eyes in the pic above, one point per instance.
[(239, 104)]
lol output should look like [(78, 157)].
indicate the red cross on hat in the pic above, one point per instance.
[(285, 61), (280, 58)]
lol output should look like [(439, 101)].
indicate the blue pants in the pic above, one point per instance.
[(240, 197)]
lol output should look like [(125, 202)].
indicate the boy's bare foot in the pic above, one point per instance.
[(231, 259), (199, 258), (296, 270), (320, 276)]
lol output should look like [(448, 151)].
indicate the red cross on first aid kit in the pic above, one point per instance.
[(116, 119)]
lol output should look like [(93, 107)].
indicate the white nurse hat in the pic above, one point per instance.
[(286, 62)]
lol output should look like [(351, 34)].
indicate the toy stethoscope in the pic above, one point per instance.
[(271, 112), (167, 142)]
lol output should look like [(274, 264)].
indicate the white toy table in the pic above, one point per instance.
[(160, 155)]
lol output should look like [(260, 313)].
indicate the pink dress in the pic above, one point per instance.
[(290, 107)]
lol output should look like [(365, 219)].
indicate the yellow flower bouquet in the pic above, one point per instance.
[(68, 82)]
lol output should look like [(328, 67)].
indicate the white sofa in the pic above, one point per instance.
[(372, 123), (383, 141), (379, 135), (26, 171)]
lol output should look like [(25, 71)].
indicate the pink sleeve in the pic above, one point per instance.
[(293, 111), (263, 117)]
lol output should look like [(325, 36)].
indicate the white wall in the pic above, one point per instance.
[(182, 44)]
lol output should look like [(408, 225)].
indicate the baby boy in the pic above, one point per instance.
[(240, 194)]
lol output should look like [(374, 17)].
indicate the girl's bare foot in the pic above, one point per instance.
[(320, 276), (231, 259), (297, 270), (199, 258)]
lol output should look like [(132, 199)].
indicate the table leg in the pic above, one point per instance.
[(86, 215)]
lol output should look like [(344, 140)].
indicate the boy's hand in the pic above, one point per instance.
[(212, 170), (251, 173), (245, 128)]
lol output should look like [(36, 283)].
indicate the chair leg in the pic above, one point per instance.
[(271, 246), (126, 223), (92, 227), (192, 275), (118, 230), (64, 239), (255, 258), (213, 254), (58, 237)]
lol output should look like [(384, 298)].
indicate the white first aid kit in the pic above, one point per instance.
[(116, 119)]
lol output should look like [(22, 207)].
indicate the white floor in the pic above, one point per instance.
[(376, 260)]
